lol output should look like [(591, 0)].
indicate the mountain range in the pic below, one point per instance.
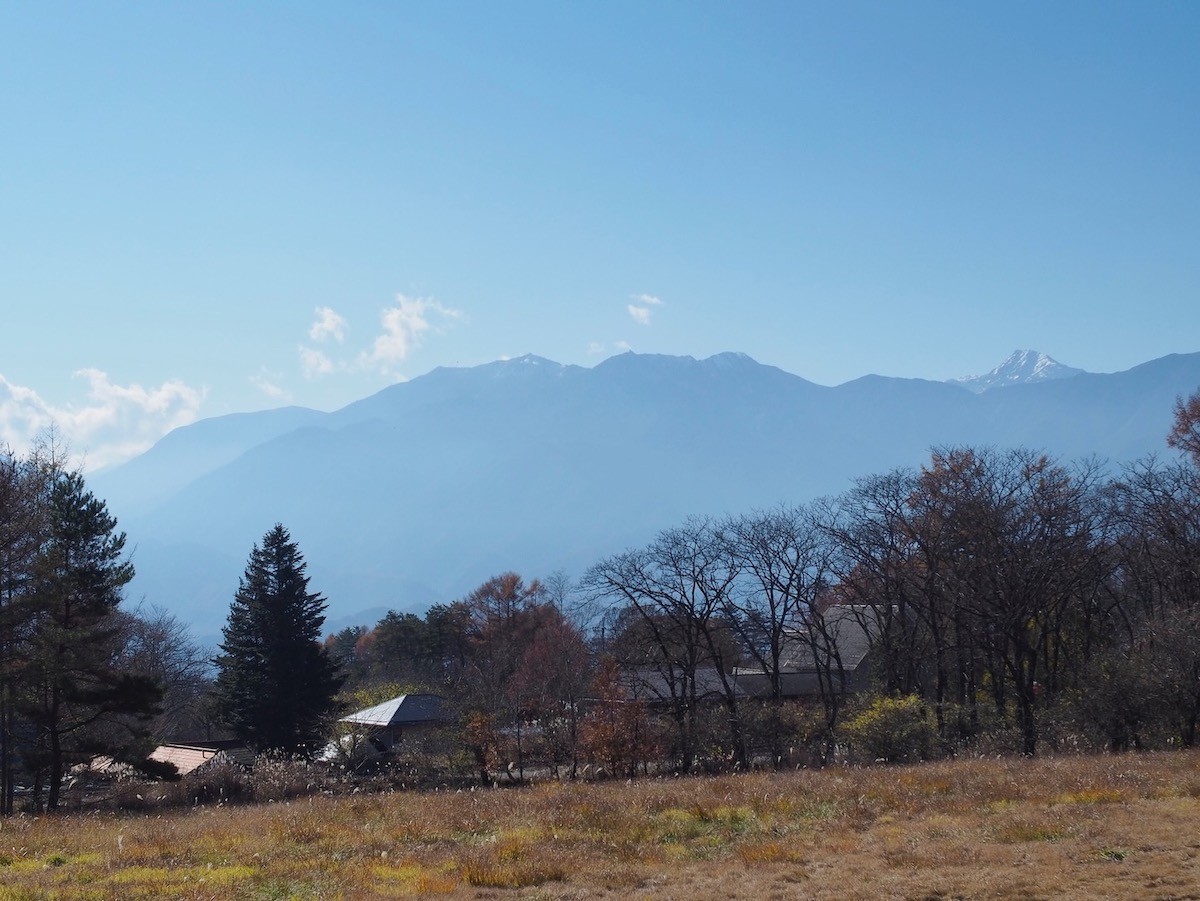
[(418, 493)]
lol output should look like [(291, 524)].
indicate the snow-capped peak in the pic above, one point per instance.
[(1023, 367)]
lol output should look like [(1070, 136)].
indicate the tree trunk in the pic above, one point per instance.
[(56, 764)]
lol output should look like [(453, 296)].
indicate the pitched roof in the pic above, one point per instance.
[(405, 710), (847, 627), (187, 758)]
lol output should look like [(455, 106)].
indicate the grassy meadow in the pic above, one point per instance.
[(1074, 827)]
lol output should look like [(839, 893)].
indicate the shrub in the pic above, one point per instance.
[(892, 730)]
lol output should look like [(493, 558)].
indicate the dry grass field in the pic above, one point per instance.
[(1083, 827)]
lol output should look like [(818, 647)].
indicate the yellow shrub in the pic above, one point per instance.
[(892, 729)]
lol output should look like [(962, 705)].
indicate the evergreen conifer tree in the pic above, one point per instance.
[(72, 690), (276, 684)]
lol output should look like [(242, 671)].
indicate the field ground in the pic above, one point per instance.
[(1079, 827)]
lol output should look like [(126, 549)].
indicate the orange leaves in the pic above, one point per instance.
[(1185, 432)]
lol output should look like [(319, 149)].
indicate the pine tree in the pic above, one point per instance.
[(22, 527), (73, 691), (276, 684)]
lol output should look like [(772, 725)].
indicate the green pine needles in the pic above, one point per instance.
[(276, 685)]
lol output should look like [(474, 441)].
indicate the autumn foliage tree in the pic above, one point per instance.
[(549, 684), (617, 732), (1185, 432), (519, 671)]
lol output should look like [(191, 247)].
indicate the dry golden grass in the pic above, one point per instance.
[(1100, 827)]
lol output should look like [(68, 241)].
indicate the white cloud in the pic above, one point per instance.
[(404, 328), (595, 348), (641, 315), (328, 324), (268, 384), (642, 308), (314, 362), (623, 346), (115, 423)]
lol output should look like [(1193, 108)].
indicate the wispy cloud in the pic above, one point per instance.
[(642, 308), (314, 363), (115, 423), (405, 326), (268, 383), (599, 348), (328, 324)]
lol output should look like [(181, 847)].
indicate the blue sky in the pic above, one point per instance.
[(217, 207)]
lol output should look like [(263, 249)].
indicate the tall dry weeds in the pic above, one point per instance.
[(1095, 827)]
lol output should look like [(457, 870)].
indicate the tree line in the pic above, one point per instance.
[(1010, 599)]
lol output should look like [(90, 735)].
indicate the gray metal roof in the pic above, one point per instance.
[(405, 710), (849, 628)]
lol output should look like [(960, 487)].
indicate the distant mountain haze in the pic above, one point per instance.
[(418, 493)]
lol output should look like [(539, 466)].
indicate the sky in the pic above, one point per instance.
[(212, 207)]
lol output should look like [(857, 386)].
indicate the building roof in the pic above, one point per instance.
[(648, 683), (848, 628), (187, 758), (838, 641), (405, 710)]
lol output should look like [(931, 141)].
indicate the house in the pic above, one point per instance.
[(382, 728), (831, 655), (188, 758)]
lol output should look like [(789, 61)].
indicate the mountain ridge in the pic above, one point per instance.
[(422, 490)]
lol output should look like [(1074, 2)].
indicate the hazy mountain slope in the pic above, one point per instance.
[(190, 452), (1120, 416), (421, 491)]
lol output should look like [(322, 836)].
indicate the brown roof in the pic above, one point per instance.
[(188, 758)]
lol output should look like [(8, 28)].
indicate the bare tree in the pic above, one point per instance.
[(159, 646), (783, 557), (995, 563), (679, 589), (877, 565), (1156, 585)]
